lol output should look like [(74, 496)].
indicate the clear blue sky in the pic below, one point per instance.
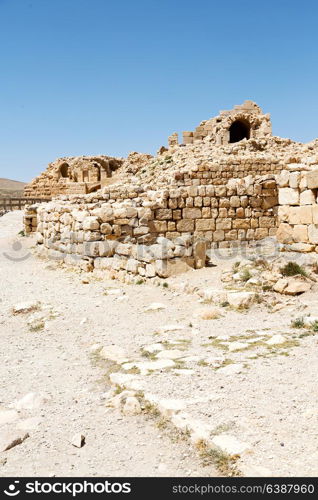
[(109, 77)]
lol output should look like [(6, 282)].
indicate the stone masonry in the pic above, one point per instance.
[(158, 215)]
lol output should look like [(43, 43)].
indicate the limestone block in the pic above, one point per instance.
[(150, 271), (192, 213), (185, 225), (199, 253), (141, 230), (164, 213), (218, 235), (224, 223), (142, 252), (90, 223), (298, 215), (124, 249), (132, 265), (267, 222), (79, 215), (294, 179), (300, 233), (307, 197), (125, 212), (231, 235), (301, 247), (303, 181), (241, 224), (288, 196), (315, 214), (306, 215), (260, 233), (158, 226), (312, 179), (97, 249), (105, 228), (285, 233), (269, 202), (161, 251), (92, 236), (240, 213), (106, 214), (235, 201), (205, 224)]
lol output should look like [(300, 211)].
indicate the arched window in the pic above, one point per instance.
[(64, 170), (239, 130)]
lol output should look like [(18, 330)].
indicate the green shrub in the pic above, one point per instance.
[(245, 275), (314, 326), (292, 269), (298, 323)]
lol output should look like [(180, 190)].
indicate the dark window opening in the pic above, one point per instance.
[(239, 130), (64, 170)]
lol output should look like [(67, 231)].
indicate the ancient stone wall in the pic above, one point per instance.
[(243, 121), (220, 171), (298, 210), (78, 175), (156, 233)]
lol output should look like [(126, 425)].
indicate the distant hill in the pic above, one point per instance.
[(11, 188)]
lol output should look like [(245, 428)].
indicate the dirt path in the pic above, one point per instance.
[(56, 363)]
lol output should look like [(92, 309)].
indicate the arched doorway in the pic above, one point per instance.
[(64, 170), (239, 130)]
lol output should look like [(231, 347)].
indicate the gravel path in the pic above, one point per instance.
[(227, 376), (56, 363)]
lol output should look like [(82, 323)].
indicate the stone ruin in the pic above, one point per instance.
[(244, 121), (79, 175), (230, 183)]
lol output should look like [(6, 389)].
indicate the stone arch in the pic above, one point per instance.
[(64, 170), (239, 129)]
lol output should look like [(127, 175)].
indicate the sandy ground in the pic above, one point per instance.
[(57, 363)]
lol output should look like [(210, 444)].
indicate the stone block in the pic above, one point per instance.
[(158, 226), (312, 179), (267, 222), (285, 233), (300, 233), (260, 233), (313, 233), (199, 253), (315, 214), (241, 224), (163, 213), (307, 197), (294, 179), (224, 223), (91, 223), (269, 202), (288, 196), (218, 235), (185, 225), (205, 224), (235, 201), (105, 228), (192, 213)]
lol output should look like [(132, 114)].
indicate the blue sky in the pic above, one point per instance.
[(105, 77)]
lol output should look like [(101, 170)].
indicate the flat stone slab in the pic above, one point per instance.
[(147, 366), (232, 369), (170, 354), (230, 444), (9, 439)]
